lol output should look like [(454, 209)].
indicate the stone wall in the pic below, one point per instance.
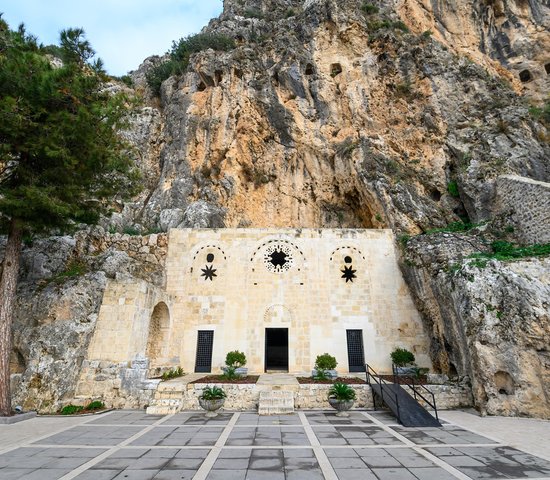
[(176, 396), (118, 385), (527, 203)]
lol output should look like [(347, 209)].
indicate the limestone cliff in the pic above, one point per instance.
[(394, 113)]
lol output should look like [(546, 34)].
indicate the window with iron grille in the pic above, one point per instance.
[(356, 354), (205, 341)]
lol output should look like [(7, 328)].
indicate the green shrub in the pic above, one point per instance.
[(452, 188), (181, 53), (369, 9), (133, 232), (342, 392), (95, 405), (401, 357), (173, 373), (71, 409), (325, 362), (502, 250), (235, 359), (75, 268), (213, 393)]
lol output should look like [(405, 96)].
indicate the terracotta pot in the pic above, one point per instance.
[(211, 406), (341, 405)]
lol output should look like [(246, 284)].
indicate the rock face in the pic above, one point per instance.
[(327, 113), (491, 323)]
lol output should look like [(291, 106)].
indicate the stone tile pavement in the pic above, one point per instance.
[(244, 446)]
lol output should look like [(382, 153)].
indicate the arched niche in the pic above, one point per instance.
[(159, 336)]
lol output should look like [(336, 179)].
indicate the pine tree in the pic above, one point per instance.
[(61, 159)]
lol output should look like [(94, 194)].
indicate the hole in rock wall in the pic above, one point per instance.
[(219, 76), (159, 332), (335, 69), (547, 68), (17, 362), (435, 195), (309, 69), (525, 76), (452, 370), (238, 73), (504, 383), (201, 87)]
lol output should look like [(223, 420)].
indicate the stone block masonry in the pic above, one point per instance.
[(527, 202), (176, 396)]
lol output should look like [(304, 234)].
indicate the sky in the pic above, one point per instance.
[(122, 32)]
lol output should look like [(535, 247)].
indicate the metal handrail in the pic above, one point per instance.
[(371, 374), (413, 386)]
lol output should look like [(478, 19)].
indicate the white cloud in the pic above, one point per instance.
[(123, 32)]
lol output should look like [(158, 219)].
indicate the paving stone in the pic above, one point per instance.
[(347, 462), (184, 464), (358, 474), (98, 475), (15, 473), (129, 474), (432, 473), (311, 474), (231, 464), (264, 475), (45, 474), (393, 474), (384, 462), (298, 453), (226, 475), (174, 475)]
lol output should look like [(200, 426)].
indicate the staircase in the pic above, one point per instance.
[(276, 402), (406, 408)]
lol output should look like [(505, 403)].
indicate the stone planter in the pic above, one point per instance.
[(211, 406), (332, 374), (342, 406), (241, 371), (405, 371)]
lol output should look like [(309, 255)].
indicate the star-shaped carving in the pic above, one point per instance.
[(349, 273), (278, 258), (209, 272)]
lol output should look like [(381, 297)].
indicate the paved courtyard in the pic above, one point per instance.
[(244, 446)]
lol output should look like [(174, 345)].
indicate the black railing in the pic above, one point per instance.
[(417, 388), (386, 393)]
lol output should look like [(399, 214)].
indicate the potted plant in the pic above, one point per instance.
[(212, 399), (325, 367), (401, 357), (341, 397), (235, 362)]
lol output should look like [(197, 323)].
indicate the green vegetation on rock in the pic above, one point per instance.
[(180, 54)]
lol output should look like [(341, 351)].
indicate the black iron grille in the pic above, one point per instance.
[(205, 341)]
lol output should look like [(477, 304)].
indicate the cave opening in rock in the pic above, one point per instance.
[(17, 362), (335, 69), (309, 69), (201, 87), (219, 76), (547, 68), (504, 383), (525, 76), (435, 195), (452, 370)]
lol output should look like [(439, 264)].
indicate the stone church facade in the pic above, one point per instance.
[(280, 296)]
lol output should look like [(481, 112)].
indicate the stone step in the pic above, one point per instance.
[(276, 402)]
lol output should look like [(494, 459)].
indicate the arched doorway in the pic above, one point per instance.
[(159, 336)]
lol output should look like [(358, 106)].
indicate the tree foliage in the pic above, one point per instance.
[(61, 159), (180, 54)]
